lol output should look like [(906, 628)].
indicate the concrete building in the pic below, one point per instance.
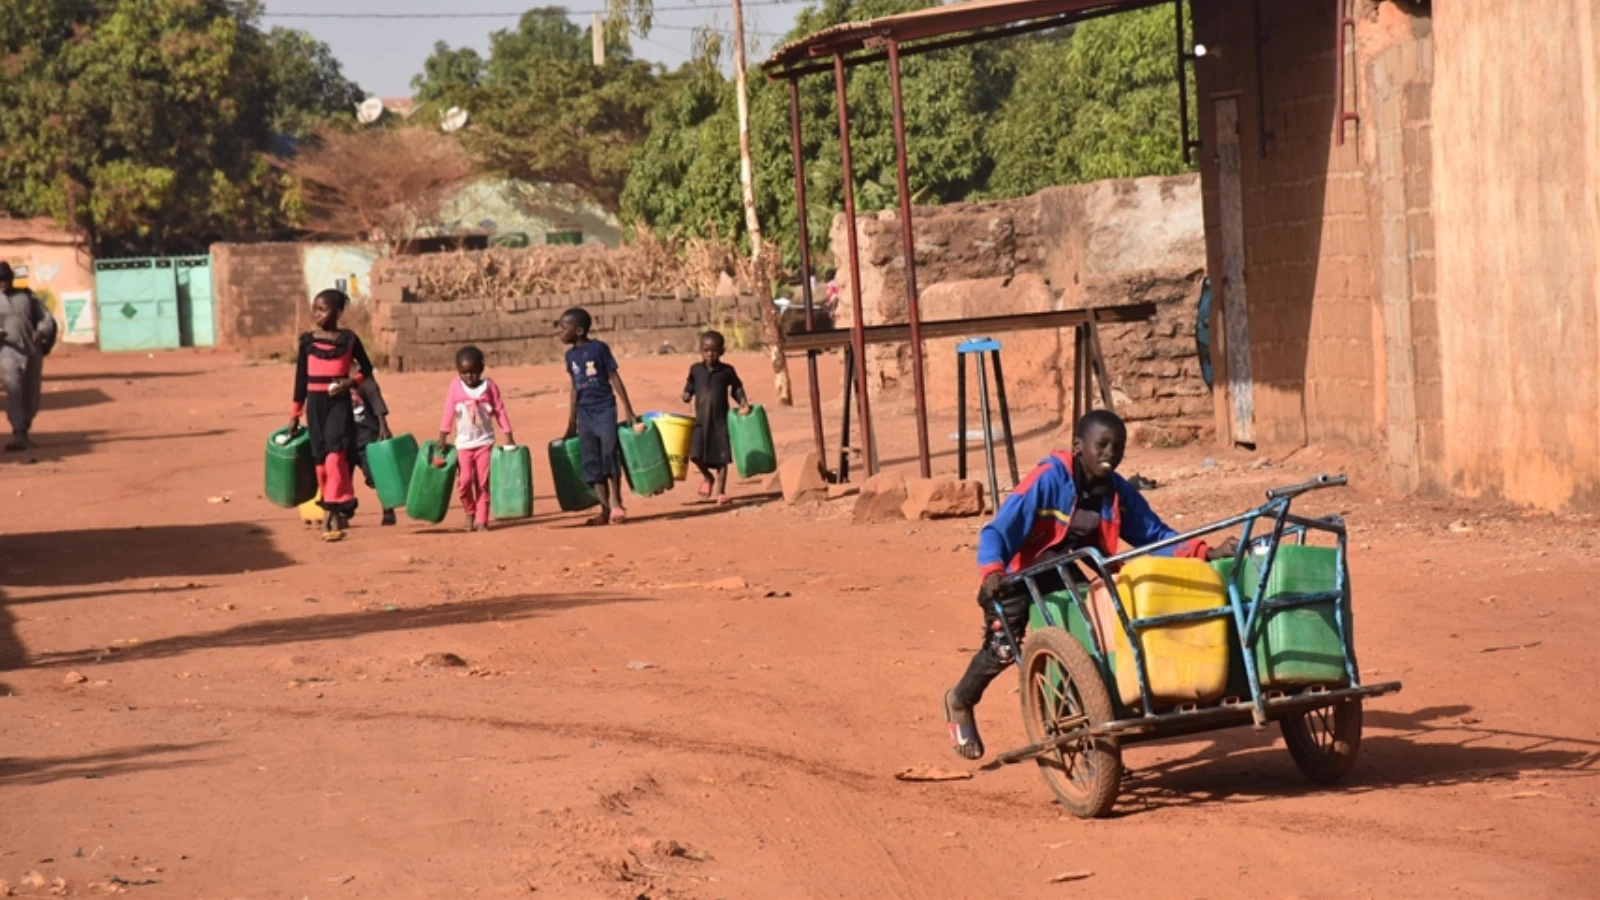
[(1404, 201)]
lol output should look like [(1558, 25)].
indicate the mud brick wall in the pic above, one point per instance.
[(420, 335), (1085, 246), (259, 297)]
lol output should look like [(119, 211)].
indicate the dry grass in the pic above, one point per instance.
[(649, 266)]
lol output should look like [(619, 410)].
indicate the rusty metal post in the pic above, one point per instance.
[(907, 240), (1184, 55), (857, 336), (1343, 22), (805, 272)]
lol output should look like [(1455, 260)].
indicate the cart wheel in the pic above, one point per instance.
[(1061, 690), (1324, 742)]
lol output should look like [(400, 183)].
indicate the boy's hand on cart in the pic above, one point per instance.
[(991, 586), (1224, 550)]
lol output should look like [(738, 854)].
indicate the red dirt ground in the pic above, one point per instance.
[(252, 721)]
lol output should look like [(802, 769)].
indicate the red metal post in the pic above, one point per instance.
[(805, 270), (907, 240), (857, 336), (1342, 23)]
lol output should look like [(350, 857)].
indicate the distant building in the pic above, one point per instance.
[(55, 264), (518, 214)]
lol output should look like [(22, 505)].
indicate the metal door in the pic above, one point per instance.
[(196, 319), (137, 300)]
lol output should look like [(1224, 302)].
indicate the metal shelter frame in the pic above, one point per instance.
[(890, 38)]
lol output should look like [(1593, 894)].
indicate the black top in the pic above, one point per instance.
[(709, 387), (321, 360)]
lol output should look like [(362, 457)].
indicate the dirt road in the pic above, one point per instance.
[(207, 702)]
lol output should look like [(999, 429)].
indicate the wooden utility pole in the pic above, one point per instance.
[(772, 325)]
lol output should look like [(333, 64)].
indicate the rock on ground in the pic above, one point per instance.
[(942, 498), (881, 498), (802, 481)]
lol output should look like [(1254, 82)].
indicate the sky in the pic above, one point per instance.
[(383, 53)]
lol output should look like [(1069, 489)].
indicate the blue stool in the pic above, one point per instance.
[(977, 347)]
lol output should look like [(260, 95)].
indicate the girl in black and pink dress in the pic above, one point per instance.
[(331, 365)]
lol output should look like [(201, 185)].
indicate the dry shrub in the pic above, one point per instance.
[(649, 266), (386, 185)]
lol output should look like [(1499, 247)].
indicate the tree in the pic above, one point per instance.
[(385, 185), (1101, 104), (447, 70), (145, 123), (948, 97), (307, 83), (546, 114)]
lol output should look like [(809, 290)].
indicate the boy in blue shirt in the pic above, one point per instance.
[(1068, 502), (596, 387)]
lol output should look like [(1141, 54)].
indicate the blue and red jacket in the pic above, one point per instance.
[(1034, 519)]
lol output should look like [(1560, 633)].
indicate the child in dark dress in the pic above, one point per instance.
[(711, 381), (596, 390)]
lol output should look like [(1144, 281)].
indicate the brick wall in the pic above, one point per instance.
[(1308, 263), (259, 296), (1084, 246), (1396, 51), (414, 333)]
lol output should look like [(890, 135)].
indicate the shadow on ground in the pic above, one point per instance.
[(338, 626), (104, 555), (1428, 747), (36, 770)]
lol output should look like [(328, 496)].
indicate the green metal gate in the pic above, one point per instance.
[(154, 303), (197, 326)]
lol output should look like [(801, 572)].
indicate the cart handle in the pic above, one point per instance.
[(1317, 483)]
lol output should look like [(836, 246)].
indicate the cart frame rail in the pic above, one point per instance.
[(1246, 611)]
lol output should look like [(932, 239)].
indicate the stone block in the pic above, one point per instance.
[(801, 480), (881, 499), (942, 498)]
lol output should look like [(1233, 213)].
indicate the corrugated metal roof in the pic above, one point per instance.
[(934, 21)]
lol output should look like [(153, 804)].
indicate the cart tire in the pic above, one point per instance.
[(1087, 776), (1324, 742)]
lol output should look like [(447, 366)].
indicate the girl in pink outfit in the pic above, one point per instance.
[(472, 406)]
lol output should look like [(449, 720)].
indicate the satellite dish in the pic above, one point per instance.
[(454, 118), (369, 110)]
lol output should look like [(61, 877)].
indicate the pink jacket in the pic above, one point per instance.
[(472, 415)]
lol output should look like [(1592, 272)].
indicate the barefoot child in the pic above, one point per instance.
[(596, 387), (711, 381), (331, 365), (1070, 501), (472, 406), (372, 425)]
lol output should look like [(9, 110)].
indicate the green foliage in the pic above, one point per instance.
[(307, 82), (546, 114), (988, 120), (1102, 104), (145, 122), (447, 70)]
